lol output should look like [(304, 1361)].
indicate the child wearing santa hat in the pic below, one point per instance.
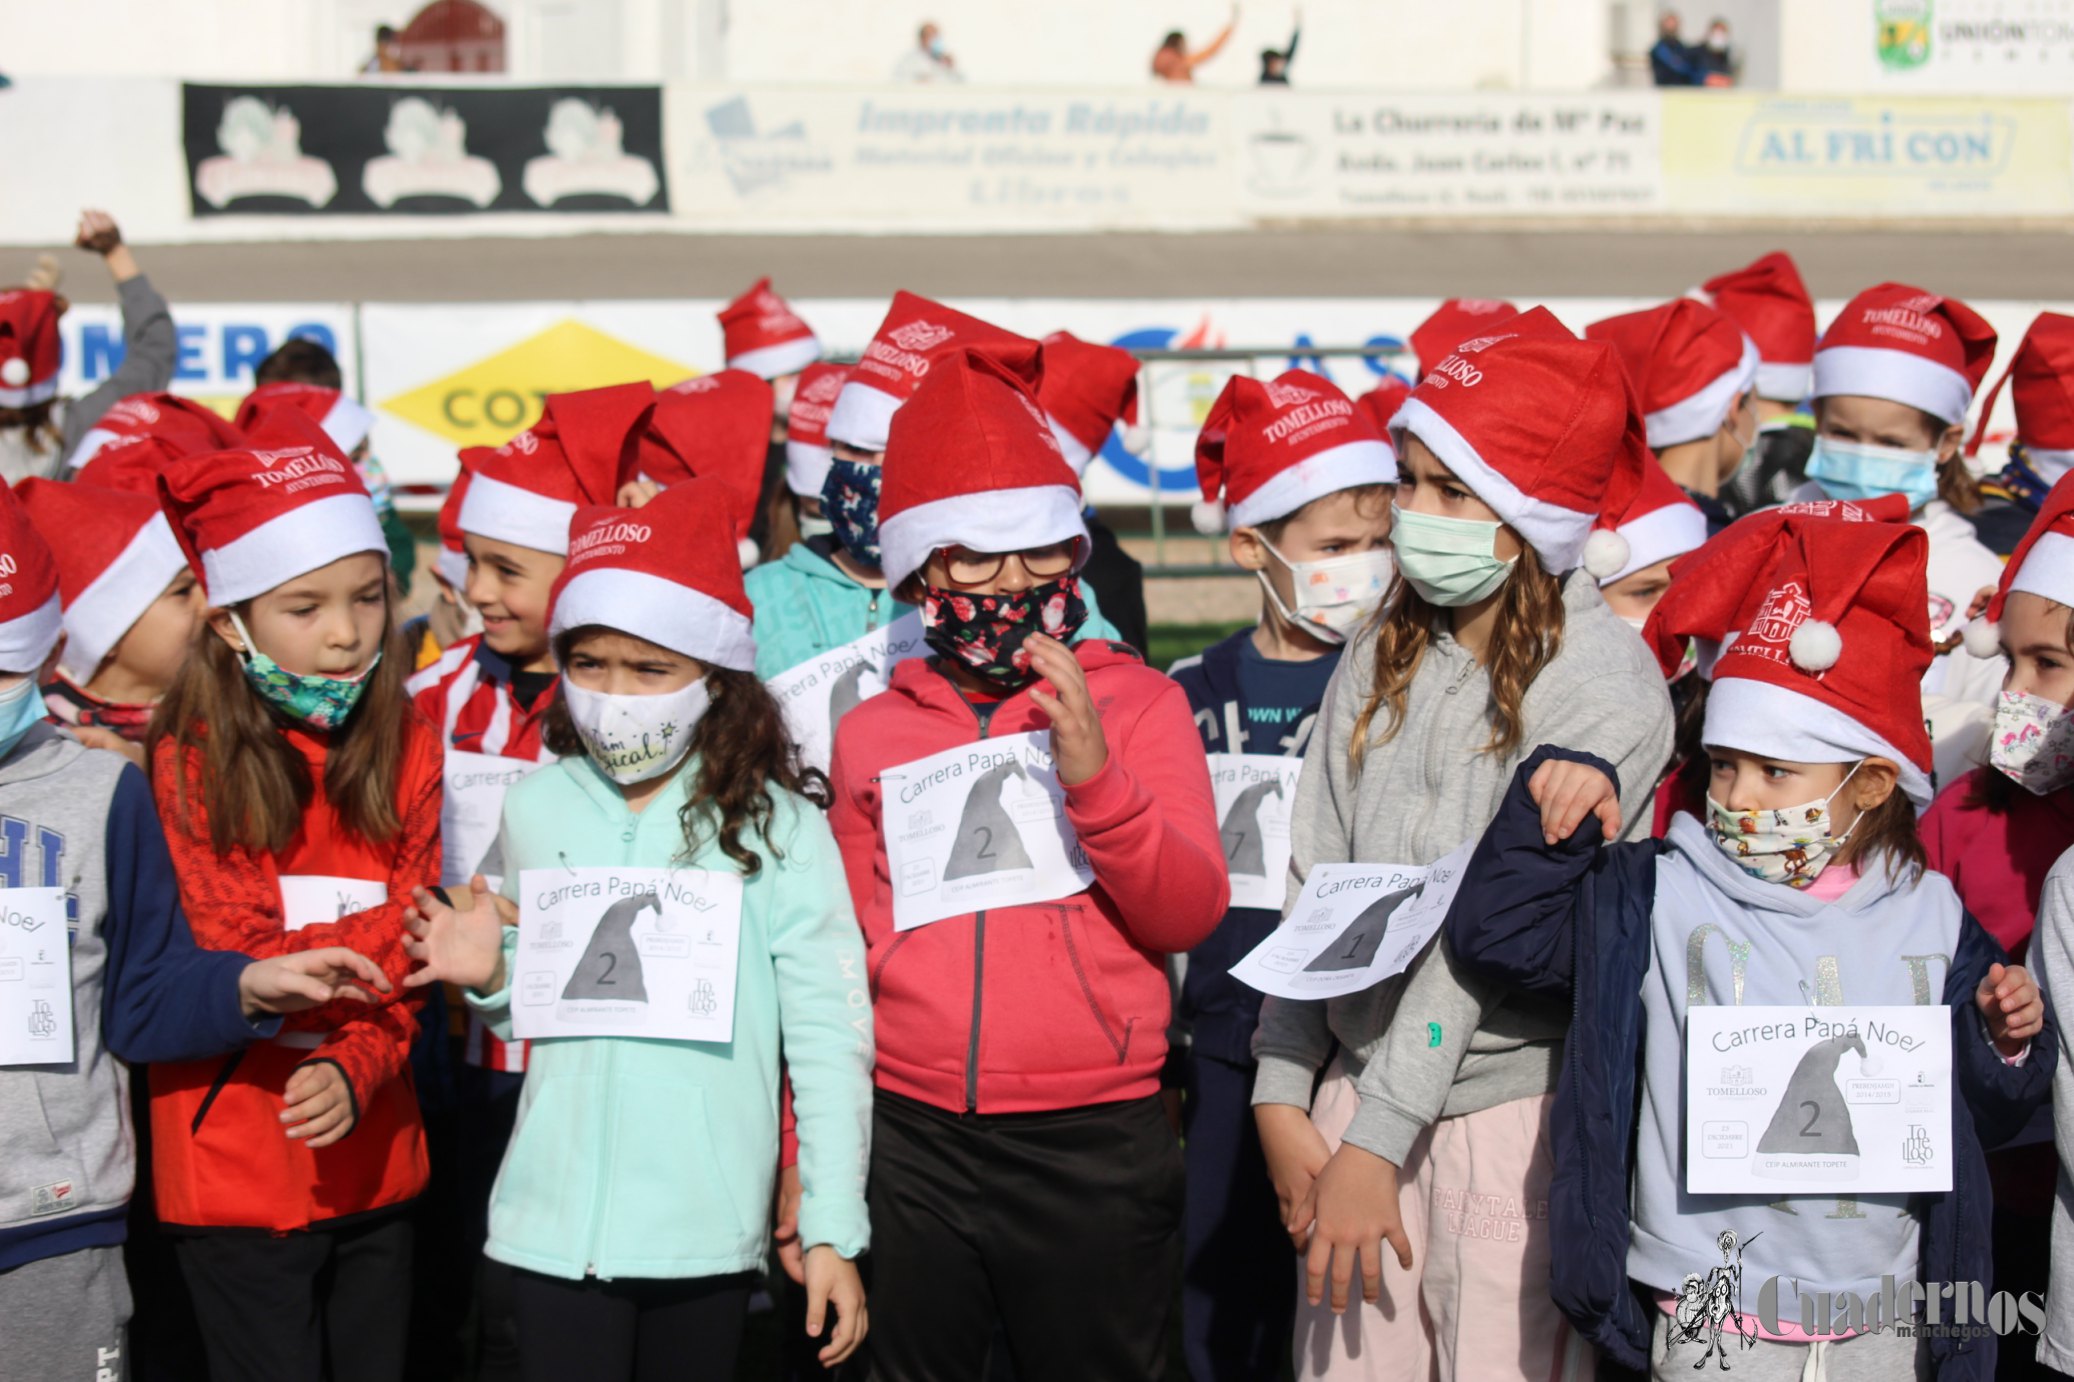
[(763, 336), (1304, 479), (1894, 376), (1819, 765), (1498, 638), (2040, 380), (300, 797), (450, 618), (1454, 321), (1089, 394), (675, 757), (1657, 526), (1772, 306), (715, 426), (1021, 1030)]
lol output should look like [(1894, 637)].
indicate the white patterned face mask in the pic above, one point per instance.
[(1787, 844), (2032, 743)]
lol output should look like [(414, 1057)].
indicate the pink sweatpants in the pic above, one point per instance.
[(1475, 1305)]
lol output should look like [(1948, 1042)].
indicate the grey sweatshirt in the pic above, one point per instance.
[(150, 349), (2052, 946), (1434, 1042)]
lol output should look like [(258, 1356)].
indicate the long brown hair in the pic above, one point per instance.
[(743, 750), (1888, 829), (255, 785), (1525, 638), (1956, 485)]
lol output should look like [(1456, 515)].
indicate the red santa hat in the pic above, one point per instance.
[(2040, 379), (1382, 402), (1657, 524), (718, 427), (915, 334), (1087, 390), (763, 335), (1771, 304), (2042, 564), (972, 460), (1270, 447), (807, 456), (30, 349), (1455, 321), (286, 503), (452, 562), (166, 425), (1540, 425), (1829, 666), (1906, 346), (1689, 364), (665, 572), (585, 446), (31, 613), (115, 555), (343, 420)]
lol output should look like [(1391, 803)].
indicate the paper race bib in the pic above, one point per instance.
[(817, 693), (1253, 793), (1353, 926), (35, 978), (627, 952), (1784, 1101), (471, 811), (981, 825), (308, 898)]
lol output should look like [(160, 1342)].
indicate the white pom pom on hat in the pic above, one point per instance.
[(1605, 552), (1208, 516), (1984, 638), (1136, 439), (749, 553), (15, 373), (1815, 646)]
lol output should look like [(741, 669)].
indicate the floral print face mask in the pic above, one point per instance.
[(322, 703), (985, 633), (2032, 743)]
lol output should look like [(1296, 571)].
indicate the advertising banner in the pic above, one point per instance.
[(220, 345)]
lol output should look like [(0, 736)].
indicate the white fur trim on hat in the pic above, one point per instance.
[(674, 616), (347, 424), (452, 567), (2048, 569), (1784, 383), (1071, 447), (1556, 534), (1701, 414), (862, 416), (806, 468), (1658, 535), (96, 440), (303, 539), (1764, 718), (776, 361), (506, 513), (17, 396), (1314, 477), (1000, 520), (25, 643), (1136, 438), (1895, 375), (15, 372), (103, 612), (2049, 466)]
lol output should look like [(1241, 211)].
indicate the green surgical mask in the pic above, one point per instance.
[(1450, 561)]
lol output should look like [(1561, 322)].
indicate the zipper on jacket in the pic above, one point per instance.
[(590, 1263), (871, 611), (979, 936)]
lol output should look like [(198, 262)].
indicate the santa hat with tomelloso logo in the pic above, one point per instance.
[(1657, 524), (1382, 402), (915, 334), (972, 460), (2042, 565), (343, 420), (717, 427), (30, 348), (1689, 365), (1270, 447), (1087, 390), (1828, 666), (763, 335), (286, 503), (1771, 304), (1906, 346), (1455, 321), (807, 456), (585, 446), (136, 437), (664, 572), (31, 613), (115, 554), (2040, 380)]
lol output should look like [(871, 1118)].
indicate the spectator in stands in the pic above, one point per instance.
[(1174, 63), (1715, 57), (1274, 63), (388, 53), (929, 60), (1673, 62)]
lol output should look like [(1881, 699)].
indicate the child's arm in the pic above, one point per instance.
[(150, 344), (2000, 1094)]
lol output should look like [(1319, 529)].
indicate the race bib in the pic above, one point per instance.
[(308, 898), (1353, 926), (35, 978), (1783, 1101), (471, 811), (627, 952), (978, 826), (1253, 793), (817, 693)]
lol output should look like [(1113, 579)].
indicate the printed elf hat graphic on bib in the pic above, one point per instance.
[(1455, 321), (31, 613), (1772, 306), (115, 555), (1813, 1119), (1906, 346), (585, 446), (144, 432), (1086, 391), (915, 334), (343, 420), (807, 455), (2041, 565), (1689, 364), (1382, 402), (30, 348), (1659, 523), (666, 572), (763, 335), (2040, 380), (717, 426), (1269, 447), (1828, 665)]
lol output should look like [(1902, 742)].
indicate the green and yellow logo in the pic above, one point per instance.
[(1904, 32)]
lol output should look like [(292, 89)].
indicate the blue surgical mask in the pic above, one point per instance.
[(1451, 562), (322, 703), (1859, 471), (21, 707), (850, 500)]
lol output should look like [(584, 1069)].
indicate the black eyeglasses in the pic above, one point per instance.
[(967, 567)]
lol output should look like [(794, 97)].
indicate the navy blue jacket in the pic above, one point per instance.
[(1572, 920)]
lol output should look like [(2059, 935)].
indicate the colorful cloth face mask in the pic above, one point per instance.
[(635, 738), (1856, 470), (322, 703), (1789, 844), (1451, 562), (1334, 597), (2032, 743), (985, 634), (850, 500)]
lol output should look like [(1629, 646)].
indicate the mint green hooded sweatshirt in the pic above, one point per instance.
[(643, 1158)]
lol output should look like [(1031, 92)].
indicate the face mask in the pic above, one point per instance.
[(1854, 470), (21, 706), (1790, 845), (850, 499), (1334, 597), (322, 703), (1636, 624), (635, 738), (985, 634), (936, 49), (2033, 742), (814, 525), (1450, 561), (1717, 42)]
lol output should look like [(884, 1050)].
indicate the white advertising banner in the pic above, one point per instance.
[(220, 344)]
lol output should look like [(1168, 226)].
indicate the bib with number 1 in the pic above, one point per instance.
[(35, 978), (817, 693), (978, 826)]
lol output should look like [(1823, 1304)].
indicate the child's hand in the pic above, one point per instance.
[(1296, 1153), (1979, 604), (319, 1107), (2015, 1011), (785, 1225), (1077, 745), (308, 979), (1567, 792), (96, 737), (635, 494), (832, 1280), (1357, 1209), (97, 233), (462, 946)]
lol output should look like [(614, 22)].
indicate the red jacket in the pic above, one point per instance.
[(1051, 1005), (220, 1158)]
